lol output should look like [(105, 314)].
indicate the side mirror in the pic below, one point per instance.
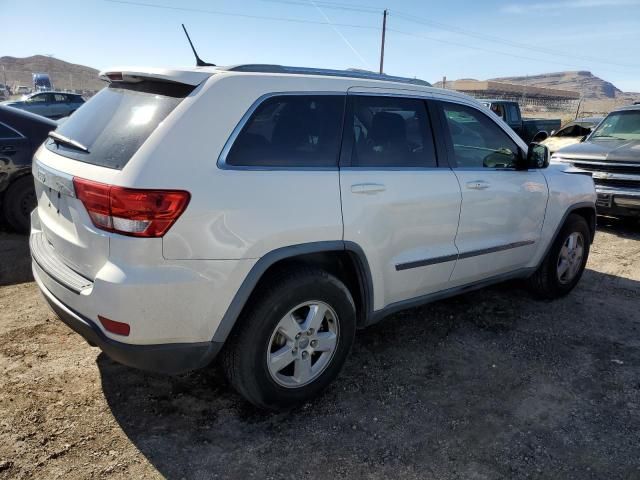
[(553, 132), (537, 156), (583, 138), (540, 136)]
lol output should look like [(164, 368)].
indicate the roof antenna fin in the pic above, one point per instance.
[(199, 61)]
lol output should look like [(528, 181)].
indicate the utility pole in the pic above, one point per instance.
[(384, 31)]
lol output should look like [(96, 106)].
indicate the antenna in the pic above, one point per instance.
[(199, 61)]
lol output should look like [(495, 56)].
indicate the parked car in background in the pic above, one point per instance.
[(48, 104), (22, 90), (42, 82), (612, 154), (21, 133), (572, 133), (319, 201), (529, 129)]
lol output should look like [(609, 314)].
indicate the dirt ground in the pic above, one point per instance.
[(493, 384)]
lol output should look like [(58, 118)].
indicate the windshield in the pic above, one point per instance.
[(115, 123), (620, 125)]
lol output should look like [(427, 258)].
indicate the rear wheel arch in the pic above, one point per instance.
[(344, 260)]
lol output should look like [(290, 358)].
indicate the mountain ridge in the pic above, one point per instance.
[(65, 75), (589, 85)]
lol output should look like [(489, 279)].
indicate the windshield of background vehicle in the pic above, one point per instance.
[(620, 125)]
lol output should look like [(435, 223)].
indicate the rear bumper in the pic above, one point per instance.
[(171, 358)]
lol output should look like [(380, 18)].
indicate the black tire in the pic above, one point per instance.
[(546, 282), (19, 201), (244, 358)]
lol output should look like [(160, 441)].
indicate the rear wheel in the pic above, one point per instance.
[(564, 264), (292, 340), (19, 201)]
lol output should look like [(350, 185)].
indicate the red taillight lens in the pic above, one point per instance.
[(119, 328), (115, 76), (131, 211)]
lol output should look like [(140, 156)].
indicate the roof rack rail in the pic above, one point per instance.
[(267, 68)]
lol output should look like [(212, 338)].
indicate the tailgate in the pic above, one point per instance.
[(95, 144), (65, 224)]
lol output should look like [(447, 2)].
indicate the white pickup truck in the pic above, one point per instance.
[(267, 212)]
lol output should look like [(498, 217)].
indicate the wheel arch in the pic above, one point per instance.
[(584, 209), (345, 260)]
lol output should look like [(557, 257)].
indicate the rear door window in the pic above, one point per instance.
[(390, 132), (115, 123), (291, 131)]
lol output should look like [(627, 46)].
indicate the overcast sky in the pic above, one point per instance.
[(427, 39)]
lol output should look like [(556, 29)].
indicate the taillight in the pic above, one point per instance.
[(131, 211)]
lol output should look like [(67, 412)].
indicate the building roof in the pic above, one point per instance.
[(491, 87)]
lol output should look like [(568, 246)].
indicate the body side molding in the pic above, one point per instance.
[(451, 258)]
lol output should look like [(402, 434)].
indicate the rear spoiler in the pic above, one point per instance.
[(135, 75)]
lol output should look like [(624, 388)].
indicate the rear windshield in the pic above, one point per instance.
[(114, 123)]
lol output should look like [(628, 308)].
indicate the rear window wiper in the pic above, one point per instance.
[(61, 139)]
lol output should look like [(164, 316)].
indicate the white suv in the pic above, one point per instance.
[(267, 212)]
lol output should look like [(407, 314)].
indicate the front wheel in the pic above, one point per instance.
[(564, 264), (292, 340)]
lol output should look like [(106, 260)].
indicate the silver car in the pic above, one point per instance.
[(48, 104)]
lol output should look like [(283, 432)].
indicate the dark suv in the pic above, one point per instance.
[(612, 154)]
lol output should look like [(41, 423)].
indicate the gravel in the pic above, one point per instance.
[(492, 384)]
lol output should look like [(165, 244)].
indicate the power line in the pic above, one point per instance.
[(502, 41), (241, 15), (488, 50), (337, 5), (460, 31), (331, 5), (335, 29)]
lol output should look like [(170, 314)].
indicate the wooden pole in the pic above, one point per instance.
[(384, 31)]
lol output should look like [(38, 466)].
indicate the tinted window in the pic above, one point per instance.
[(476, 140), (59, 97), (118, 120), (514, 115), (291, 131), (498, 109), (6, 132), (40, 98), (391, 132)]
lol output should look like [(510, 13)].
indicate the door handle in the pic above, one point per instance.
[(367, 188), (478, 185)]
